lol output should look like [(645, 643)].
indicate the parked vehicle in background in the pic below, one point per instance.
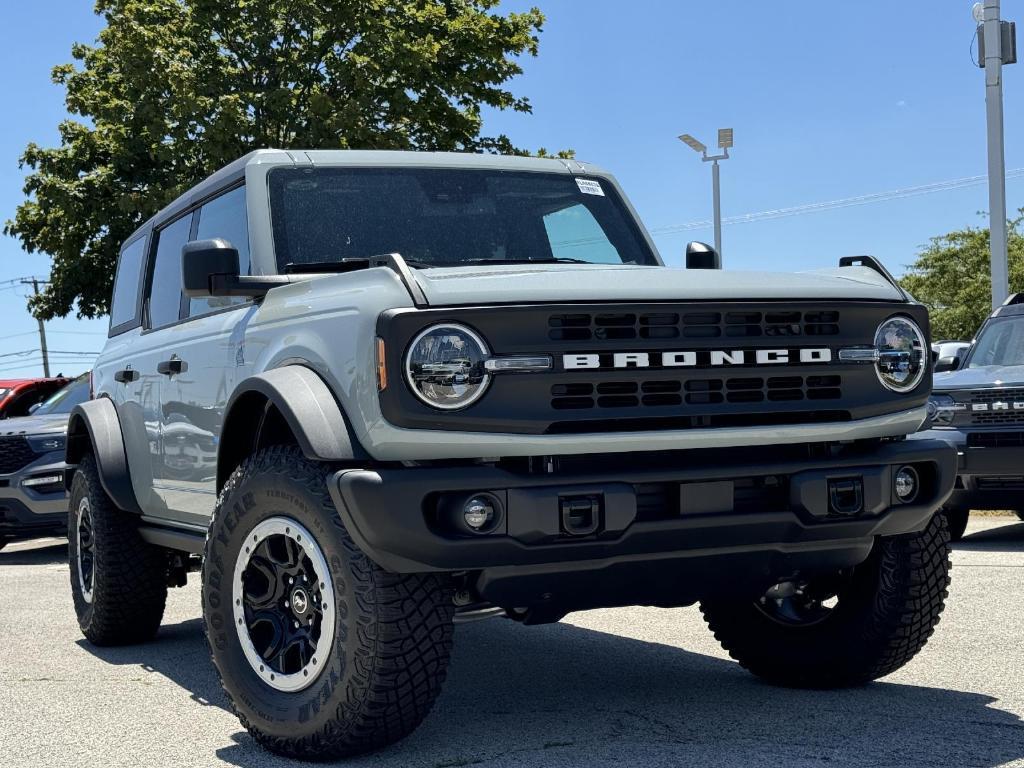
[(979, 408), (33, 499), (19, 396), (383, 392), (946, 355)]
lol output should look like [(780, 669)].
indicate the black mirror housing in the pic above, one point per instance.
[(201, 260), (210, 268), (944, 364), (702, 256)]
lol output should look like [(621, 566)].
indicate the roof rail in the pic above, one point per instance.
[(872, 263)]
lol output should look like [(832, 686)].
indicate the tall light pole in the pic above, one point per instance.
[(724, 144), (997, 47)]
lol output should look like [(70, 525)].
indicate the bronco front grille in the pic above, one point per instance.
[(15, 453), (1000, 406), (618, 326), (621, 366), (653, 394)]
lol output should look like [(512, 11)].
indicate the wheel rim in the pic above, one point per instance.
[(804, 603), (85, 546), (283, 603)]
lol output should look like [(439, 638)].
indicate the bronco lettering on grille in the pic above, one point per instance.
[(697, 358)]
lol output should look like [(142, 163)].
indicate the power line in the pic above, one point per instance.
[(845, 202)]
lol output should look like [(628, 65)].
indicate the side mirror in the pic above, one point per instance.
[(702, 256), (210, 268), (202, 260), (34, 407), (947, 364)]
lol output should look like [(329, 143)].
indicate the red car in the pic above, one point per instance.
[(17, 396)]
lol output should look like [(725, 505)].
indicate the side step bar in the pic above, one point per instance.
[(173, 538)]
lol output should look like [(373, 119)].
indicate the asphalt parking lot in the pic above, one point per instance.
[(616, 687)]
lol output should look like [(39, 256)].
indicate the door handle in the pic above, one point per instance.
[(172, 366), (126, 375)]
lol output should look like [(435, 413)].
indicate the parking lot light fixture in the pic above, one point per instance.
[(725, 144)]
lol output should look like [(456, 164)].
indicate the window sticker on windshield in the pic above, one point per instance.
[(590, 187)]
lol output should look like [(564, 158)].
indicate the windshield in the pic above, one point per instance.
[(65, 399), (1001, 343), (443, 217)]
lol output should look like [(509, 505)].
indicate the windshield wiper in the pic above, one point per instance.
[(552, 260), (344, 265)]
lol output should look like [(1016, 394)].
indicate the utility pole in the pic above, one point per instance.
[(724, 144), (34, 282), (994, 36)]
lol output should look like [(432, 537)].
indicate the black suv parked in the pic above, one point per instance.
[(979, 407)]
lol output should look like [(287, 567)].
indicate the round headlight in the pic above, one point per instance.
[(901, 354), (445, 366)]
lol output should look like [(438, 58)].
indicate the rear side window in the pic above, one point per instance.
[(224, 217), (165, 281), (124, 305)]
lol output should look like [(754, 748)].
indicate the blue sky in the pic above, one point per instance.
[(828, 101)]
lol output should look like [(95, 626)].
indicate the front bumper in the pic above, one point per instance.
[(28, 511), (990, 468), (780, 521)]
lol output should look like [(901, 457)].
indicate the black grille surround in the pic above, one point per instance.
[(996, 398), (15, 453), (698, 395)]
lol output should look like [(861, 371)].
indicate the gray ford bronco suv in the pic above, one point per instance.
[(381, 393)]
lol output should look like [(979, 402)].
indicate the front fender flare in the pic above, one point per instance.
[(307, 405), (94, 426)]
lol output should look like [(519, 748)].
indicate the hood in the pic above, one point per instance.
[(981, 377), (556, 283), (35, 425)]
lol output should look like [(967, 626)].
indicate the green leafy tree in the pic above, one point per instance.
[(952, 275), (174, 89)]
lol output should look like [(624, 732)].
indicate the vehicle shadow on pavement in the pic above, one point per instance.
[(564, 695), (1003, 538), (51, 554)]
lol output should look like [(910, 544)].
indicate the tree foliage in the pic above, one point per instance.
[(174, 89), (952, 277)]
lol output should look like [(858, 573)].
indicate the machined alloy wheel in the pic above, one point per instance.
[(85, 557), (322, 653), (283, 602)]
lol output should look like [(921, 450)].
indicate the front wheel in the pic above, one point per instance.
[(847, 628), (322, 653)]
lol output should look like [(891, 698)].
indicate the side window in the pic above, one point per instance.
[(574, 233), (125, 302), (224, 217), (165, 279)]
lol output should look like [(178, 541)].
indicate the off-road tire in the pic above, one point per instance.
[(393, 633), (130, 585), (893, 604), (956, 520)]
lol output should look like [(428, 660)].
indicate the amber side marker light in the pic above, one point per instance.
[(382, 366)]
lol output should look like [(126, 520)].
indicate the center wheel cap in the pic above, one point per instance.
[(300, 602)]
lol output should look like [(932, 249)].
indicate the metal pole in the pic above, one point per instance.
[(42, 331), (996, 163), (717, 206)]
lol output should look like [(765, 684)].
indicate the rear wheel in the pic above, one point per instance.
[(847, 628), (118, 581), (956, 519), (322, 653)]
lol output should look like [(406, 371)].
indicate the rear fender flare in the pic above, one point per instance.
[(94, 427)]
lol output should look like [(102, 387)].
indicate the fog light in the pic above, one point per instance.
[(479, 513), (906, 484)]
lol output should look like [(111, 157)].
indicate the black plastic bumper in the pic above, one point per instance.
[(18, 521), (990, 478), (392, 513)]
